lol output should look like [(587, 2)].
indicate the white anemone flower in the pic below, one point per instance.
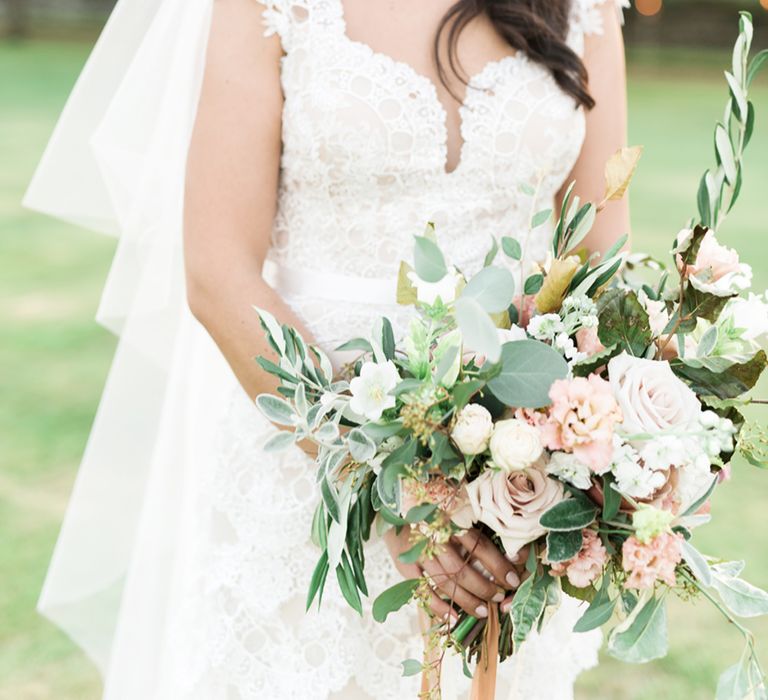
[(370, 391)]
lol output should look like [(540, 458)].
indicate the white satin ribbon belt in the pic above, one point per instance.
[(329, 285)]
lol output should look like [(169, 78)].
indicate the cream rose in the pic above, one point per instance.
[(472, 429), (511, 504), (651, 397), (515, 445)]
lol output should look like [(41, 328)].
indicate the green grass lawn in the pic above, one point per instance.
[(55, 358)]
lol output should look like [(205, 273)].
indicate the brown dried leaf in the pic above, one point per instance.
[(619, 171), (551, 295)]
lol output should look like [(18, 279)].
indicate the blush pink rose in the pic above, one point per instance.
[(717, 268), (512, 503), (587, 566), (653, 561), (581, 420)]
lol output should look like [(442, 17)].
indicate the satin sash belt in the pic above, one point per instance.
[(329, 285)]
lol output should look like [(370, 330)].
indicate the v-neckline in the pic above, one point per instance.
[(429, 85)]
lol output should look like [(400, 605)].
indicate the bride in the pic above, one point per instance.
[(283, 154)]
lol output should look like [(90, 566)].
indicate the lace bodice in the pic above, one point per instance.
[(365, 147)]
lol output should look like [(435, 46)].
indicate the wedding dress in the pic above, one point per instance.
[(210, 604)]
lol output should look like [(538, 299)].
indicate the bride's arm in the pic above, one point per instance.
[(231, 189), (606, 129)]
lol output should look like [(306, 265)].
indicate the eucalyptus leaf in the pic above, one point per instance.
[(428, 260), (493, 288), (411, 667), (741, 598), (541, 217), (528, 369), (511, 247), (478, 330), (533, 284)]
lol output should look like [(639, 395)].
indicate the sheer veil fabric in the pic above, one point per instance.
[(131, 580), (115, 164)]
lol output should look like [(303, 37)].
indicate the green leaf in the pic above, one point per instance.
[(428, 260), (411, 667), (346, 578), (276, 409), (464, 391), (725, 155), (586, 367), (599, 611), (382, 431), (697, 563), (691, 510), (646, 637), (394, 598), (477, 328), (360, 344), (387, 339), (318, 578), (493, 288), (320, 526), (611, 498), (541, 217), (528, 606), (756, 64), (490, 256), (511, 247), (528, 369), (278, 371), (563, 545), (623, 322), (361, 447), (412, 555), (741, 598), (420, 512), (731, 383), (571, 514), (734, 683), (533, 284)]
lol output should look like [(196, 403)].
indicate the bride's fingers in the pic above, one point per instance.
[(504, 607), (488, 554), (442, 610), (468, 602)]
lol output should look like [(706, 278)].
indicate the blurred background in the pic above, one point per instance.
[(54, 358)]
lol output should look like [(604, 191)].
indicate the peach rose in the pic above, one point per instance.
[(581, 420), (512, 503), (717, 269)]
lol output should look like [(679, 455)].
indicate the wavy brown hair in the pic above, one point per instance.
[(538, 28)]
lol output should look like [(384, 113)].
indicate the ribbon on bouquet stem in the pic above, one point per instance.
[(484, 679)]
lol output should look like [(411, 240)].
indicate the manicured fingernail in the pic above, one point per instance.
[(505, 607), (513, 579), (499, 597), (481, 611)]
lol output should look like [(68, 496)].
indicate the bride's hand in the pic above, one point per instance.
[(453, 574)]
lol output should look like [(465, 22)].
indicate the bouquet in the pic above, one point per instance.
[(583, 412)]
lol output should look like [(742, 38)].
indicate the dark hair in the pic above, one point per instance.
[(536, 27)]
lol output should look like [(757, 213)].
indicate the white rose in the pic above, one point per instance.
[(751, 315), (509, 335), (515, 445), (446, 288), (472, 429), (651, 397)]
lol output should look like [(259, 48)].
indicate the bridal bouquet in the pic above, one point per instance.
[(583, 412)]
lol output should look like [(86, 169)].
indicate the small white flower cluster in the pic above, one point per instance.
[(633, 477), (576, 312), (717, 433), (568, 467)]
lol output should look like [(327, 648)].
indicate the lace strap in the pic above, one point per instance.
[(586, 17), (283, 18)]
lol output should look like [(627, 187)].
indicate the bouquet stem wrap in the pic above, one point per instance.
[(484, 681)]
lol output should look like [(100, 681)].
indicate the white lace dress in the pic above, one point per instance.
[(363, 169)]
